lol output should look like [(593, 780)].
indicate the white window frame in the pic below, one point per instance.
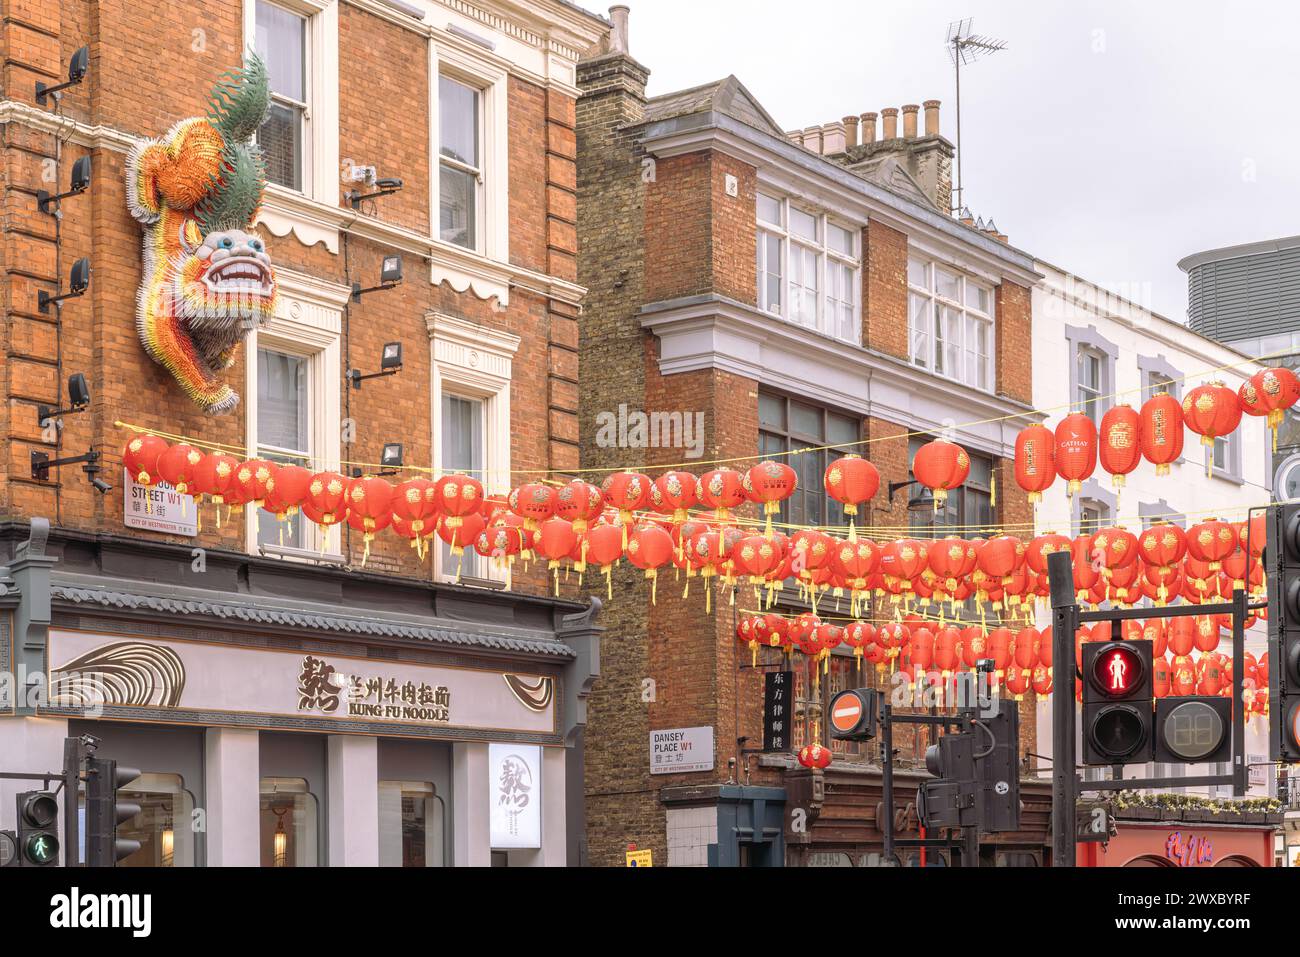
[(969, 318), (1098, 396), (320, 135), (824, 320), (308, 322), (1103, 510), (492, 239), (475, 362)]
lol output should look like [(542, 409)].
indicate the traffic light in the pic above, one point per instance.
[(853, 714), (38, 825), (1117, 714), (104, 812), (1282, 558), (998, 763), (954, 799)]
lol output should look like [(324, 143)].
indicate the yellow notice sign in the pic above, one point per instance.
[(639, 859)]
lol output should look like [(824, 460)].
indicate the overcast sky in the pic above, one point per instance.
[(1111, 138)]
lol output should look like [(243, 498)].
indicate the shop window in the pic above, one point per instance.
[(164, 825), (290, 834), (410, 825)]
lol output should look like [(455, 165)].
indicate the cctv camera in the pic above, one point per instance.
[(388, 183), (102, 487)]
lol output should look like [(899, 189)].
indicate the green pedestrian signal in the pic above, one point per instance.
[(38, 825), (42, 849)]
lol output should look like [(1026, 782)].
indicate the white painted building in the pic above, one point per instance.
[(1092, 350)]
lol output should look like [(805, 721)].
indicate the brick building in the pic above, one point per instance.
[(800, 290), (471, 105)]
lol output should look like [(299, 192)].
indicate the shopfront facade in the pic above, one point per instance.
[(1183, 843), (394, 725)]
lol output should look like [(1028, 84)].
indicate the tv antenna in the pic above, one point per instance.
[(964, 48)]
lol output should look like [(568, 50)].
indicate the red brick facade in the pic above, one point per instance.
[(677, 665), (147, 73)]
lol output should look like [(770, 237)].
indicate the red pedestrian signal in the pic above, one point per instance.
[(1117, 711), (1117, 670)]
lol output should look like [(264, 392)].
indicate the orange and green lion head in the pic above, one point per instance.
[(208, 280)]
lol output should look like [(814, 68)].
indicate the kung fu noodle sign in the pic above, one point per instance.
[(135, 678)]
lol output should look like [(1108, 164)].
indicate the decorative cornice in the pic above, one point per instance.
[(712, 332)]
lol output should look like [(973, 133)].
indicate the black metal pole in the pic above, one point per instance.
[(887, 775), (72, 749), (1239, 770), (1064, 611)]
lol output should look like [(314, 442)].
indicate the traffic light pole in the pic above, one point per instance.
[(1065, 615)]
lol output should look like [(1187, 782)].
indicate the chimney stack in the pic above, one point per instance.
[(931, 117), (812, 139), (889, 117), (868, 128), (850, 131), (833, 139), (618, 39), (909, 121)]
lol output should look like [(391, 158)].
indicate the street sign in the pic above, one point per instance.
[(846, 712), (853, 714), (640, 859), (158, 508), (680, 750), (778, 692)]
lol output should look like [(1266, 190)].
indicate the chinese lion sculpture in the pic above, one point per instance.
[(207, 279)]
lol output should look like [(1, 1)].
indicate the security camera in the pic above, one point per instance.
[(100, 486), (392, 183)]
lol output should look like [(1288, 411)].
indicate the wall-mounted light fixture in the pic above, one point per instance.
[(390, 461), (923, 502), (79, 184), (78, 400), (78, 67), (383, 187), (42, 463), (390, 363), (389, 276), (78, 283)]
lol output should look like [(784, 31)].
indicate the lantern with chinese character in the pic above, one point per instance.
[(1212, 541), (1076, 450), (951, 559), (140, 458), (1027, 649), (176, 466), (814, 756), (674, 493), (556, 540), (857, 636), (1035, 460), (534, 502), (580, 503), (214, 477), (1161, 431), (1212, 411), (648, 548), (254, 478), (722, 490), (940, 466), (1120, 445), (327, 500), (770, 483), (604, 549), (1000, 557), (627, 492), (370, 503), (1043, 545), (458, 496), (851, 481), (1270, 393), (286, 491)]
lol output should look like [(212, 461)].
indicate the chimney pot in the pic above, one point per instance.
[(889, 122), (868, 128), (618, 38), (850, 131), (909, 121), (931, 117)]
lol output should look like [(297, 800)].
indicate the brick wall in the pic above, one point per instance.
[(884, 293), (149, 72), (1014, 356)]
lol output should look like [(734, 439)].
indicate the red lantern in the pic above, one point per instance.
[(814, 756), (254, 479), (580, 503), (758, 557), (770, 483), (627, 492), (1000, 557), (370, 501), (1026, 653), (1076, 450), (1035, 460), (1212, 541), (458, 496), (722, 490), (674, 493), (649, 547), (1042, 546), (327, 499), (140, 458), (534, 503), (177, 464), (1120, 446), (1160, 676), (940, 466), (556, 540), (851, 481), (1270, 393), (1212, 411), (214, 477), (1161, 431), (951, 559), (286, 491), (1042, 681)]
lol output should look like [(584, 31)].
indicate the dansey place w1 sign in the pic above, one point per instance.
[(678, 750)]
